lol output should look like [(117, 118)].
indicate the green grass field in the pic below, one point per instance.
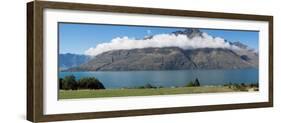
[(76, 94)]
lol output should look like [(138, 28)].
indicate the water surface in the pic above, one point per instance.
[(168, 78)]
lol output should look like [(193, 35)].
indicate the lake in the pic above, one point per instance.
[(168, 78)]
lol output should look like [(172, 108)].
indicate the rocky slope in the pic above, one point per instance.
[(168, 58)]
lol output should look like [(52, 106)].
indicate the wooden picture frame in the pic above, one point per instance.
[(35, 60)]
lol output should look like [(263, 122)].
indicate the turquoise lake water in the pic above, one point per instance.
[(121, 79)]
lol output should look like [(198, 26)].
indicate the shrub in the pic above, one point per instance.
[(90, 83), (243, 85), (149, 86), (69, 82), (95, 84), (196, 83), (254, 85), (190, 84)]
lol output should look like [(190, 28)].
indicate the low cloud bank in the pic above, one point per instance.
[(161, 40)]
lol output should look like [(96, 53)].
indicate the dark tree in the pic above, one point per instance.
[(243, 84), (196, 83), (70, 82), (84, 83), (90, 83), (60, 83), (99, 84)]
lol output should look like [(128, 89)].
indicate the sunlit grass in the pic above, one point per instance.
[(76, 94)]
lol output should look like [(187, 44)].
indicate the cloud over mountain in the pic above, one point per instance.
[(181, 40)]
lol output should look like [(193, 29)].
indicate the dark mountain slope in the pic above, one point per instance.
[(169, 58)]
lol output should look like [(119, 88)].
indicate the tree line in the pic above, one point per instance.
[(70, 83)]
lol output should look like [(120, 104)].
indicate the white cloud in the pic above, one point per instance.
[(161, 40)]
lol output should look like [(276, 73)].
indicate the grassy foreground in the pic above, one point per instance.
[(76, 94)]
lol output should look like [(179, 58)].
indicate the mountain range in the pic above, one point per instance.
[(166, 58), (69, 60)]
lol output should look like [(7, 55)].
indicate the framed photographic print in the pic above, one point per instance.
[(96, 61)]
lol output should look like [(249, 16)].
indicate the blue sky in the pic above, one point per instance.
[(77, 38), (249, 38)]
